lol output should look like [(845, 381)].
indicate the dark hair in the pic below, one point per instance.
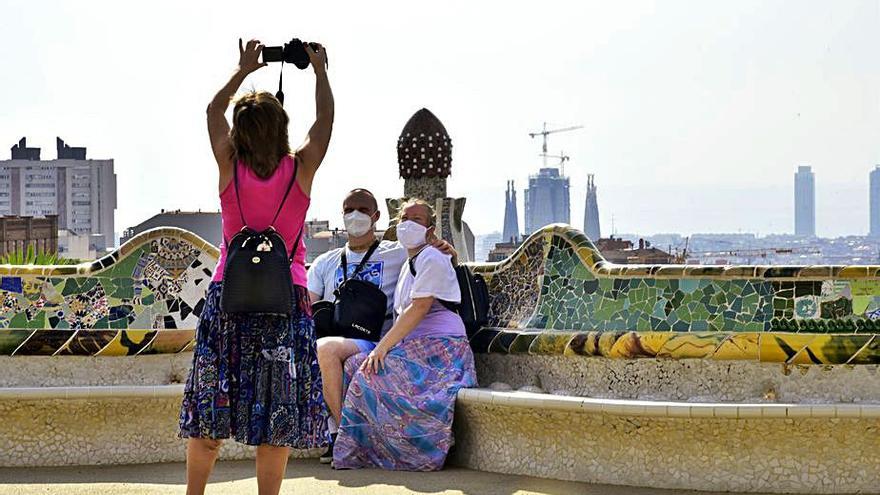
[(259, 132), (373, 202)]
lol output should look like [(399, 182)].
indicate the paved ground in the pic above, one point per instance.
[(303, 477)]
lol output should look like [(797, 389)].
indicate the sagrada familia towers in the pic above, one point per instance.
[(511, 232), (424, 155), (591, 211), (511, 217)]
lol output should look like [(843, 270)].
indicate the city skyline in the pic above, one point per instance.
[(693, 114)]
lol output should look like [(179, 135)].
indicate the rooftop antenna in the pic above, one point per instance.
[(544, 133)]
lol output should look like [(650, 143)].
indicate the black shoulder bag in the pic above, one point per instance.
[(474, 306), (256, 275), (359, 310)]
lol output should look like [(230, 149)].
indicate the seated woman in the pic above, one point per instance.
[(399, 405)]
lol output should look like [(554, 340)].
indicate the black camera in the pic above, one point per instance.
[(293, 52)]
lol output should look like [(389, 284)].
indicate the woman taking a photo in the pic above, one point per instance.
[(401, 396), (255, 376)]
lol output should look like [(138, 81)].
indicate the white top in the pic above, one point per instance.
[(435, 277), (383, 269)]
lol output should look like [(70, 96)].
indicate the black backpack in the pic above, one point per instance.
[(474, 306), (359, 309), (256, 275)]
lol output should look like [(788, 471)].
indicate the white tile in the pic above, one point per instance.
[(870, 411), (774, 411), (702, 410), (824, 411), (726, 411), (849, 411), (800, 411), (749, 411)]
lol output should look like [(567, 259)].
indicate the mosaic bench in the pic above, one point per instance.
[(635, 357), (727, 378)]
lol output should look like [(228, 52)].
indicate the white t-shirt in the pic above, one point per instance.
[(435, 277), (382, 269)]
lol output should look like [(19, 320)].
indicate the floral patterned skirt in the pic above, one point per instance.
[(255, 378), (401, 418)]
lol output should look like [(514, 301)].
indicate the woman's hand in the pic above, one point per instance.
[(249, 56), (318, 57), (444, 247), (375, 361)]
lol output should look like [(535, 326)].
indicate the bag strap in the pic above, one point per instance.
[(283, 199), (361, 265)]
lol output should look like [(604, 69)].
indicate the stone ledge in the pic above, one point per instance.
[(92, 392), (659, 409)]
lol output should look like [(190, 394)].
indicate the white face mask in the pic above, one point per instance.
[(357, 223), (411, 234)]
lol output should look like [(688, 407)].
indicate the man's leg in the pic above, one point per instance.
[(332, 353)]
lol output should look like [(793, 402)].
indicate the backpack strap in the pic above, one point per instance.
[(238, 196), (280, 206), (286, 193), (451, 306), (296, 242), (412, 262)]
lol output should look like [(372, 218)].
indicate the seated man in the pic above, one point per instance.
[(361, 212)]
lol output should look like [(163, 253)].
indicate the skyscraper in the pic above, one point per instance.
[(547, 199), (875, 202), (81, 191), (591, 211), (804, 202), (511, 217)]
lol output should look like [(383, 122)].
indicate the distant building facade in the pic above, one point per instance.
[(80, 191), (547, 200), (623, 252), (874, 213), (591, 211), (206, 225), (804, 202), (485, 243), (502, 251), (17, 233), (72, 246)]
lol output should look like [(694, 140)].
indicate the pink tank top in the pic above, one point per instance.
[(260, 199)]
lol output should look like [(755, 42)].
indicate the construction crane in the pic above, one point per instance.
[(544, 133), (562, 157)]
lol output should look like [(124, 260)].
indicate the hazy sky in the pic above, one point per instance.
[(695, 113)]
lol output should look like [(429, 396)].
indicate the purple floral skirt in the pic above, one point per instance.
[(401, 418), (255, 378)]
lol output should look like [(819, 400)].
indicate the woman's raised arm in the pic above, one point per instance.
[(218, 126), (313, 149)]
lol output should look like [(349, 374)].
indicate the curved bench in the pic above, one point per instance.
[(739, 447)]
